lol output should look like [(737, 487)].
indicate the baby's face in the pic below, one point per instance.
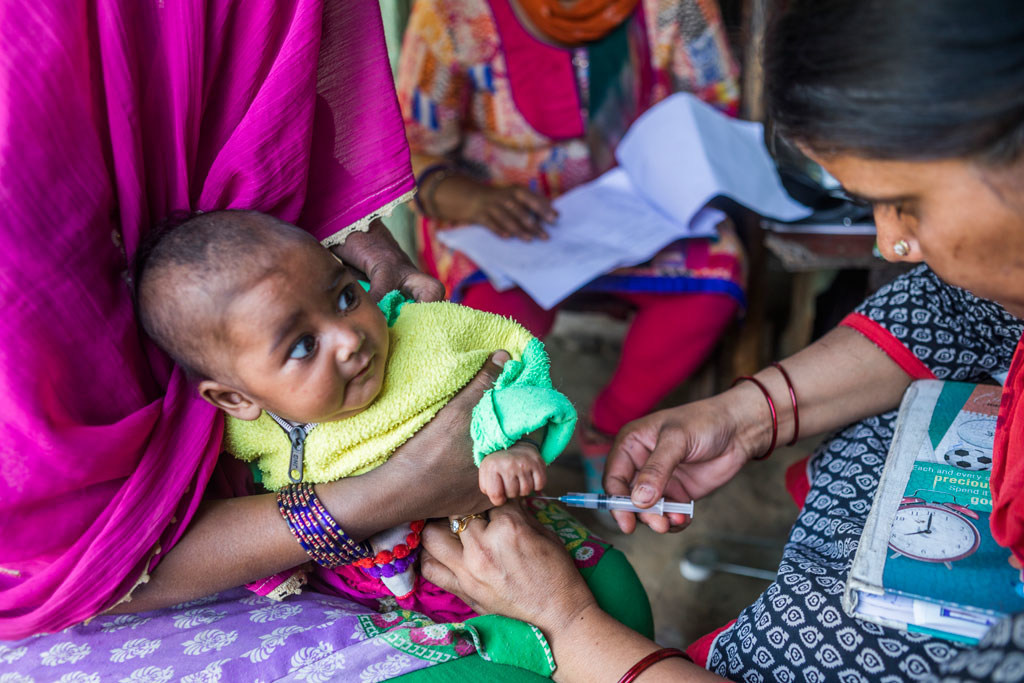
[(304, 340)]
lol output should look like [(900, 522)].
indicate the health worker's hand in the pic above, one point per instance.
[(682, 453), (511, 565)]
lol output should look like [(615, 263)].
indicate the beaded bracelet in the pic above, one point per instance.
[(315, 529), (792, 398), (294, 504), (387, 563), (771, 408), (650, 660)]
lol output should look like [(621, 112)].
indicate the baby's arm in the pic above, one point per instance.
[(511, 473)]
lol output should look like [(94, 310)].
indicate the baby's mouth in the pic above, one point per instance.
[(365, 371)]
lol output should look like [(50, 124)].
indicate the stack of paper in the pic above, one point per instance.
[(674, 160)]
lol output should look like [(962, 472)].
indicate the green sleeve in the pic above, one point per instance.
[(522, 401)]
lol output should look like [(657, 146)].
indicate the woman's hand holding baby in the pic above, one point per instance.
[(433, 474), (379, 256), (512, 473)]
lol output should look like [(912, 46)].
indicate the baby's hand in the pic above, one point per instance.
[(511, 473)]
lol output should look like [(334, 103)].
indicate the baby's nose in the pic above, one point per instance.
[(349, 342)]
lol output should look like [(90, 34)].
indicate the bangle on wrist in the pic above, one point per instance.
[(771, 409), (792, 398), (315, 529), (650, 660), (426, 185)]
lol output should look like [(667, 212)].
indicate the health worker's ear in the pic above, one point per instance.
[(230, 400)]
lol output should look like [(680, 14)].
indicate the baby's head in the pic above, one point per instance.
[(264, 316)]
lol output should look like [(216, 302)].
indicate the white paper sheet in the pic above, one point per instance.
[(673, 161), (603, 225), (683, 153)]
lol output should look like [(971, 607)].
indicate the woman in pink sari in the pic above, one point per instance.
[(115, 115)]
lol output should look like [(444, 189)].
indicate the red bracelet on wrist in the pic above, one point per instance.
[(792, 397), (771, 408), (651, 659)]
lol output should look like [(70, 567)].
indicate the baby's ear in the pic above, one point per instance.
[(231, 401)]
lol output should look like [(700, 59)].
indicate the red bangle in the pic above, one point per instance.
[(771, 408), (792, 398), (650, 660)]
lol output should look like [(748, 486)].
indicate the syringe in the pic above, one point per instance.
[(600, 501)]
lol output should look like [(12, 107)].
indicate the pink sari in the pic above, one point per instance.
[(113, 114)]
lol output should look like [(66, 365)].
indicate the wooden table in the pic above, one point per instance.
[(805, 255), (804, 252)]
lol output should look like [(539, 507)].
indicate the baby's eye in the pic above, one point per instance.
[(348, 298), (303, 348)]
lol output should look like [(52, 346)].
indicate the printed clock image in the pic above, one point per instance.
[(934, 532)]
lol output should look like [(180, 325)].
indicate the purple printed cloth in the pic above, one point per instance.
[(239, 636), (312, 636)]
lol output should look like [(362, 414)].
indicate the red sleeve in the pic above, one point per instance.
[(700, 650), (892, 346)]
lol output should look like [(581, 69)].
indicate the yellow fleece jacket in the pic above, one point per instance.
[(436, 349)]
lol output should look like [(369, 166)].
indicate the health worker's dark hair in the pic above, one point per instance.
[(899, 79)]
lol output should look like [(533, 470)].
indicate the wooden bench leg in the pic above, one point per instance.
[(798, 332)]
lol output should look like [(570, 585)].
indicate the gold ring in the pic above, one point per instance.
[(459, 524)]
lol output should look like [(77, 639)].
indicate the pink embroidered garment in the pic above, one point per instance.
[(113, 115)]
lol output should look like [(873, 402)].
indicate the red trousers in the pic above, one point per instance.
[(669, 337)]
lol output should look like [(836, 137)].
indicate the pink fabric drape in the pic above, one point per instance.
[(113, 114)]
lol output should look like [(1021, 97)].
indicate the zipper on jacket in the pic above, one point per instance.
[(297, 434)]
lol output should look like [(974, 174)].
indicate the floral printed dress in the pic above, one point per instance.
[(476, 88)]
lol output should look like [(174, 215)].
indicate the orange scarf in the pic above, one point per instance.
[(583, 22)]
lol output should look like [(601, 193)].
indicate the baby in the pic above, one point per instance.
[(319, 382)]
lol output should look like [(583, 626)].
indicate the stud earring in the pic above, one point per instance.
[(901, 248)]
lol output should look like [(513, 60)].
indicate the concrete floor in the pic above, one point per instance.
[(746, 521)]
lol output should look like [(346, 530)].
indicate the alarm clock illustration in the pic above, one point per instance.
[(934, 532)]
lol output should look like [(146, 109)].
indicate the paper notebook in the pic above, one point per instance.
[(926, 560)]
